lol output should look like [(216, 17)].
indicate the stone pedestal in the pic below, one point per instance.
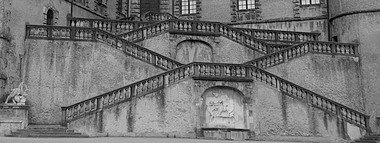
[(225, 133), (13, 117)]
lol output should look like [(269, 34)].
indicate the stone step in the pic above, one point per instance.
[(365, 139), (45, 130), (371, 138), (46, 135), (361, 141), (46, 127), (28, 132)]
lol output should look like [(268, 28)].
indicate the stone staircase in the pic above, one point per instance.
[(46, 131), (372, 138)]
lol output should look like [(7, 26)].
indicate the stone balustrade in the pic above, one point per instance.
[(211, 70), (94, 34), (113, 26), (298, 50), (284, 36), (157, 16)]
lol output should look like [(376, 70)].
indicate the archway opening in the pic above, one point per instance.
[(50, 17)]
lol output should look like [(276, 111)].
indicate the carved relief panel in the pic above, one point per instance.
[(223, 108)]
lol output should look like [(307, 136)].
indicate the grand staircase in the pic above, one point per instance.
[(296, 45), (46, 131)]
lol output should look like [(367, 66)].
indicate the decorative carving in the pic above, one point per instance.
[(220, 106), (18, 95)]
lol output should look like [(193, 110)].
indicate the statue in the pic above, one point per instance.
[(18, 95)]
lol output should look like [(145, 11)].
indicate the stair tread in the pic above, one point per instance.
[(46, 135), (69, 133), (45, 130)]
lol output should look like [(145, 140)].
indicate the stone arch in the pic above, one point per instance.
[(223, 107), (193, 51), (50, 16)]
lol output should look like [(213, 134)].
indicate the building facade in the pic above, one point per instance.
[(131, 45)]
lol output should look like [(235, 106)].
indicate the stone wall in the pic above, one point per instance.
[(223, 50), (61, 73), (227, 10), (364, 29), (14, 15), (343, 6), (179, 111), (335, 77)]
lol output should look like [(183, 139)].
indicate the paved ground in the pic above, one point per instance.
[(118, 140)]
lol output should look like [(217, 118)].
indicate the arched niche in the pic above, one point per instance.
[(193, 51), (50, 16), (223, 107)]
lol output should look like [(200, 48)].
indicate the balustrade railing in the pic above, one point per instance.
[(201, 27), (157, 16), (211, 70), (94, 34), (113, 26), (298, 50), (284, 36)]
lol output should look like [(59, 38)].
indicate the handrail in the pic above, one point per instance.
[(281, 56), (157, 16), (279, 35), (215, 28), (113, 26), (122, 26), (221, 70), (94, 34)]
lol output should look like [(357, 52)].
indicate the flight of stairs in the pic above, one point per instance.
[(372, 138), (46, 131)]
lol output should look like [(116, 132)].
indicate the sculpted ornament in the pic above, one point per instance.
[(18, 95), (220, 106)]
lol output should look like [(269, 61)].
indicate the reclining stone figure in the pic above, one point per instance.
[(18, 95)]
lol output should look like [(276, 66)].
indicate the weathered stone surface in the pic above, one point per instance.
[(223, 50), (335, 77), (362, 28), (12, 117), (179, 111), (61, 73)]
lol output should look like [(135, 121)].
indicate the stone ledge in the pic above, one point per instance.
[(233, 79), (13, 106)]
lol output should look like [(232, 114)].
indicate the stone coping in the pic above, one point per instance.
[(13, 106)]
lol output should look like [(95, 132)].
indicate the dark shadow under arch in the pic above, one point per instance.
[(50, 17)]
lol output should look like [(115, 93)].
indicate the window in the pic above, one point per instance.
[(335, 38), (188, 6), (310, 2), (246, 4)]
